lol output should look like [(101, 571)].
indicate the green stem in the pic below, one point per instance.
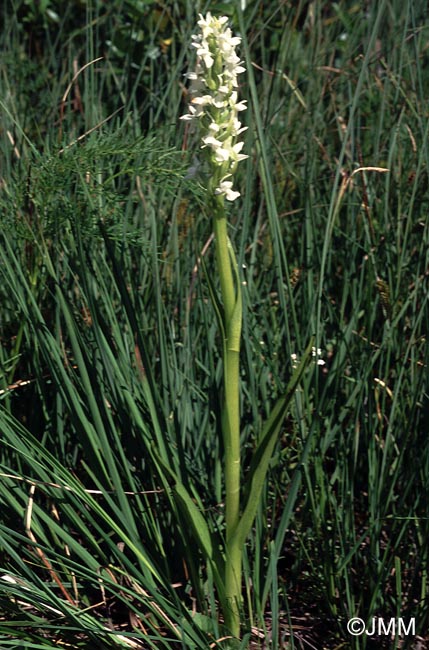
[(233, 560), (223, 260), (231, 299)]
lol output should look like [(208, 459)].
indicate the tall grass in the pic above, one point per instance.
[(110, 351)]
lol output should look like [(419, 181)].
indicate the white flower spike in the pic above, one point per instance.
[(214, 100)]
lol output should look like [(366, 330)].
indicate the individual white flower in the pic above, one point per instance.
[(212, 142), (209, 23), (213, 128), (190, 115), (221, 155), (204, 53), (225, 188), (241, 106), (234, 152), (202, 101)]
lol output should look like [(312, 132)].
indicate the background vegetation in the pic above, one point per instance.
[(109, 357)]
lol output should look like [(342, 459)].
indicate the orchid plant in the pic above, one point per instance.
[(215, 108)]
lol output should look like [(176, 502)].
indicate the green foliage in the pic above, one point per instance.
[(109, 356)]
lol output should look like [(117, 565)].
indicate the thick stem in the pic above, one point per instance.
[(230, 417), (233, 560), (232, 441), (233, 569), (223, 260)]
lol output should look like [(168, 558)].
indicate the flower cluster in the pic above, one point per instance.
[(215, 102), (316, 354)]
